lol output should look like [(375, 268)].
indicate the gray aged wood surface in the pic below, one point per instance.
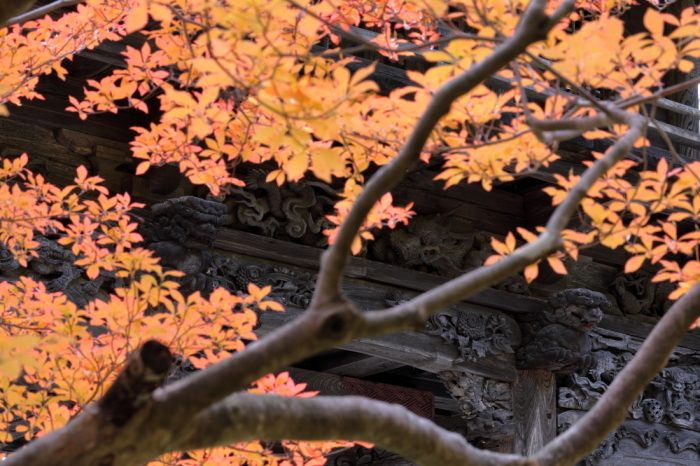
[(305, 256), (640, 443), (534, 411)]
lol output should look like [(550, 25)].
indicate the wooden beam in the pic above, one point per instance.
[(430, 352), (419, 350), (495, 200), (331, 384), (425, 202), (363, 366), (642, 330), (534, 411), (676, 134), (417, 401), (305, 256), (679, 108)]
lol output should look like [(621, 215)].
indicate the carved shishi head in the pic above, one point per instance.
[(579, 308)]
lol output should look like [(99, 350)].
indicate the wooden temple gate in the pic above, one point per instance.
[(508, 368)]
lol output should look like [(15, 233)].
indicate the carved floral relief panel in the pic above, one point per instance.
[(672, 398), (639, 443)]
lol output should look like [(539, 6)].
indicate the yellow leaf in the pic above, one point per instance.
[(143, 168), (137, 18), (510, 242), (557, 265), (356, 246), (531, 272), (271, 306), (686, 66), (296, 166), (634, 263), (326, 162), (492, 259), (362, 74), (597, 134), (527, 235), (436, 56), (161, 12), (654, 22), (342, 77)]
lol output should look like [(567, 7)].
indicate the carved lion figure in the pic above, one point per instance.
[(557, 338)]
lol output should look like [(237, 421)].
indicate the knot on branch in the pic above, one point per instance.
[(145, 370), (339, 320)]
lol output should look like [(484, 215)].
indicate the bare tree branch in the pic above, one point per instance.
[(157, 423), (245, 417), (639, 100), (33, 14), (611, 409), (413, 313), (534, 26), (91, 437), (340, 322), (548, 131)]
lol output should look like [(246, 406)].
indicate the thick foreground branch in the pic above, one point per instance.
[(152, 425), (92, 437), (611, 409), (412, 314), (131, 425), (244, 417)]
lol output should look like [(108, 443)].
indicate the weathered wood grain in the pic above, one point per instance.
[(426, 202), (642, 330), (309, 257), (51, 112), (420, 402), (641, 443), (363, 366), (414, 349), (685, 120), (496, 200), (534, 411)]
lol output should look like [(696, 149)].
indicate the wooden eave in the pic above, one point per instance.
[(405, 359)]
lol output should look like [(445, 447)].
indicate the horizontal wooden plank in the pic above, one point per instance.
[(642, 330), (293, 286), (427, 352), (363, 365), (472, 193), (678, 108), (304, 256), (425, 202), (676, 134)]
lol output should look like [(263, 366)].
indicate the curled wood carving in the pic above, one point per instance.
[(441, 244), (556, 338), (180, 232), (637, 295), (53, 265), (289, 287), (638, 442), (486, 404), (476, 334), (294, 211), (672, 398)]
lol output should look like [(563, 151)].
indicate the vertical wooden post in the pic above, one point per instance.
[(689, 96), (534, 411)]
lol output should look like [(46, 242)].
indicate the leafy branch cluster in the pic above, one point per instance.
[(242, 81)]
